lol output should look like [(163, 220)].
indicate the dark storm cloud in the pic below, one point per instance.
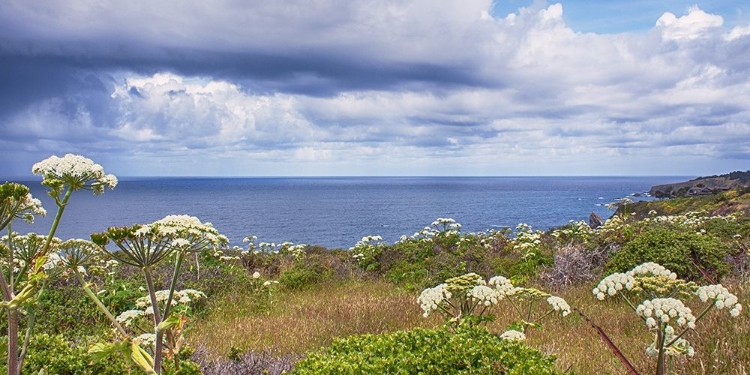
[(344, 82)]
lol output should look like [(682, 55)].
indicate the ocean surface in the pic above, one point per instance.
[(338, 211)]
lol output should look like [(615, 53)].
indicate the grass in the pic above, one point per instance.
[(304, 320)]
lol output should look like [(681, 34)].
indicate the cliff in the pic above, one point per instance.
[(703, 185)]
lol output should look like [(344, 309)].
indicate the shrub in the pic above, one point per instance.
[(427, 351), (573, 265), (303, 274), (64, 309), (52, 354), (680, 251)]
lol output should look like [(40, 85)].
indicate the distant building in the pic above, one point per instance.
[(699, 191)]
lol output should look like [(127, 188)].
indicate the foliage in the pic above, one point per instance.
[(684, 252), (52, 354), (438, 351), (304, 274)]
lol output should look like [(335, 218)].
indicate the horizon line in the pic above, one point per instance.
[(33, 178)]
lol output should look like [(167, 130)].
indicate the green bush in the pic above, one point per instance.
[(55, 355), (65, 309), (427, 351), (304, 274), (680, 251)]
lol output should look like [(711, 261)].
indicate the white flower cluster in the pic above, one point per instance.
[(612, 284), (17, 202), (503, 286), (431, 298), (367, 240), (693, 220), (653, 269), (180, 297), (576, 229), (613, 225), (485, 295), (443, 221), (188, 226), (425, 234), (298, 251), (29, 207), (75, 170), (666, 310), (526, 239), (721, 297), (267, 247), (559, 304), (513, 335), (127, 317)]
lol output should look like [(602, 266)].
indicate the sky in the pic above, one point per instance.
[(377, 87)]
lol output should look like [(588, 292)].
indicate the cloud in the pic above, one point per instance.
[(694, 25), (383, 87)]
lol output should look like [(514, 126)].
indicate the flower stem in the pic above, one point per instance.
[(660, 345), (172, 285), (157, 320), (60, 208), (99, 304), (13, 342)]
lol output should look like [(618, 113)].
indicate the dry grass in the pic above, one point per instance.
[(309, 319)]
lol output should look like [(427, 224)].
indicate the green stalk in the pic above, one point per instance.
[(13, 361), (60, 208), (30, 327), (628, 301), (13, 368), (660, 357), (172, 285), (157, 320), (10, 256), (99, 304)]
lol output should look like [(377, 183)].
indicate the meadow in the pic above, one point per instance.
[(659, 288)]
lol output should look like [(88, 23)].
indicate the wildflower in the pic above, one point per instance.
[(484, 295), (431, 298), (612, 284), (559, 304), (721, 298), (127, 317), (256, 275), (665, 309), (513, 335), (76, 171), (503, 286), (652, 268)]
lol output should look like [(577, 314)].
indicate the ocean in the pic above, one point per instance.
[(336, 212)]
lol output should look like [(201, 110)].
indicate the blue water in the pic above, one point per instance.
[(337, 211)]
